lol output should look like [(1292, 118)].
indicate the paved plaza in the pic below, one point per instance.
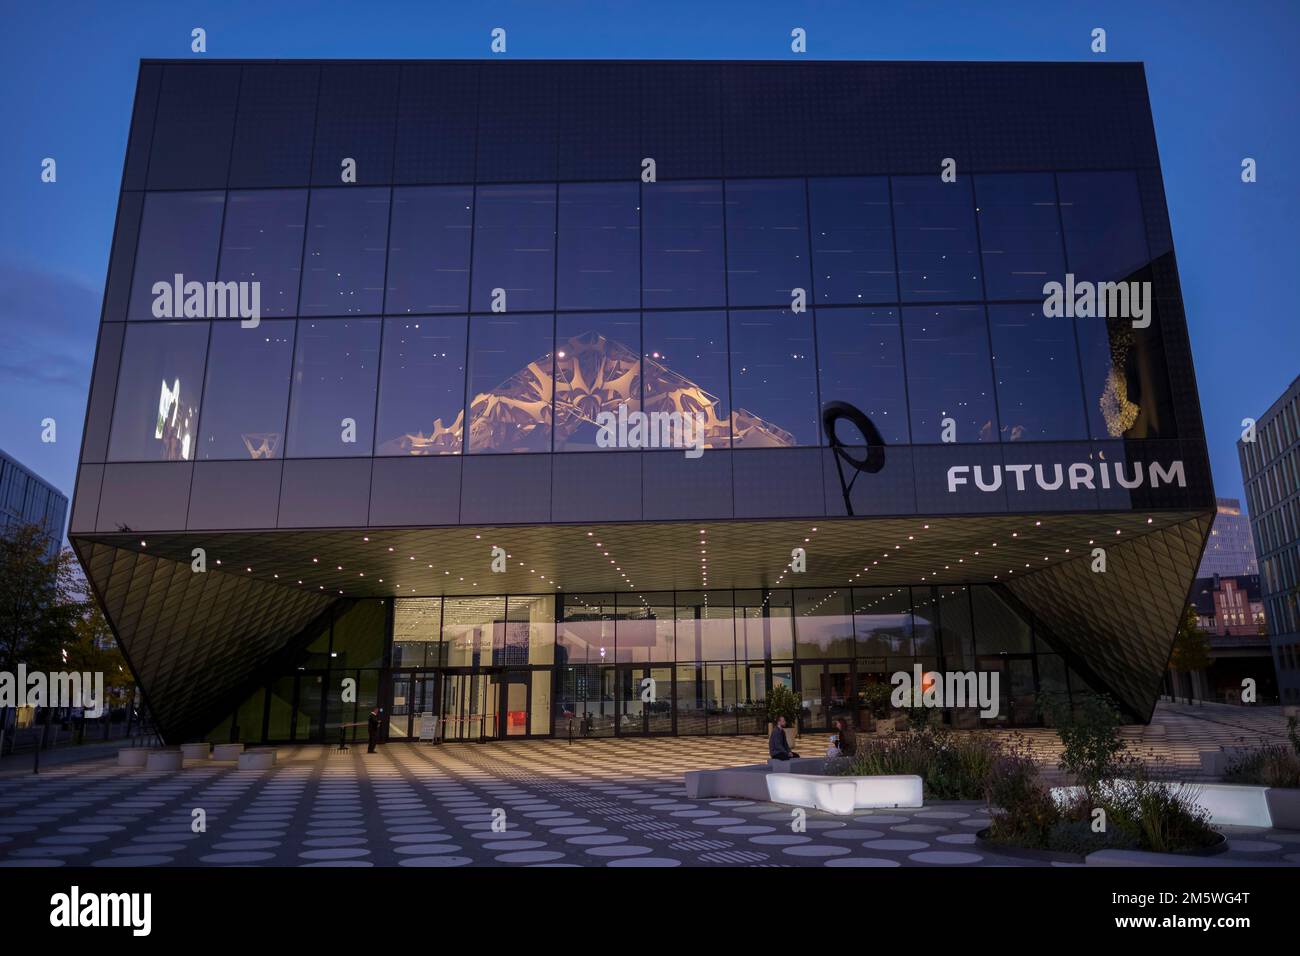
[(590, 803)]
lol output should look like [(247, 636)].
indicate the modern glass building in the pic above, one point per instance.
[(27, 498), (608, 395)]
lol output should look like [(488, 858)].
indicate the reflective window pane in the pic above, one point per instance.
[(347, 235), (998, 628), (422, 386), (645, 629), (332, 405), (852, 241), (773, 379), (585, 634), (882, 621), (262, 242), (514, 247), (1020, 234), (1105, 238), (767, 241), (1126, 385), (469, 629), (599, 264), (949, 374), (685, 369), (938, 255), (823, 623), (428, 249), (705, 626), (510, 383), (957, 638), (179, 235), (860, 352), (1037, 366), (682, 261), (156, 413), (597, 369), (247, 391)]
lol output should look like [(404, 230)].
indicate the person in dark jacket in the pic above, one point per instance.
[(848, 741), (777, 745), (372, 730)]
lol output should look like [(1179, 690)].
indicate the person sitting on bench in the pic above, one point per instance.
[(777, 745)]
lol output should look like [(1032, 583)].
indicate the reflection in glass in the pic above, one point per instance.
[(262, 242), (998, 628), (428, 249), (179, 234), (332, 405), (882, 621), (510, 383), (1105, 236), (422, 388), (529, 631), (861, 356), (597, 369), (347, 242), (247, 391), (949, 374), (1020, 234), (852, 240), (514, 247), (1126, 386), (682, 261), (823, 623), (156, 413), (1037, 365), (956, 635), (599, 264), (705, 626), (773, 374), (470, 627), (585, 634), (417, 630), (938, 255), (685, 369), (644, 628), (767, 241)]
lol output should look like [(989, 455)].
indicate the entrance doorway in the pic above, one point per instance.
[(471, 705), (827, 690), (644, 701), (414, 693), (1016, 684)]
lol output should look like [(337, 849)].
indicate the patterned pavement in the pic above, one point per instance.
[(590, 803)]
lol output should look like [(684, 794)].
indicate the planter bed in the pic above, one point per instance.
[(1106, 857)]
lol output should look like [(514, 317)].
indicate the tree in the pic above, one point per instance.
[(94, 649), (1191, 650)]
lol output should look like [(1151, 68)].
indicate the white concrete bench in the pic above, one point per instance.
[(257, 760), (1228, 804), (163, 760), (133, 757), (196, 751), (844, 795), (227, 751)]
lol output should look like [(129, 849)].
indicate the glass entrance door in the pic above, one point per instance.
[(827, 690), (644, 702), (516, 686), (471, 705), (1016, 689)]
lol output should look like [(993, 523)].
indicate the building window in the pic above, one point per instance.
[(247, 391), (938, 256), (685, 369), (949, 375), (514, 248), (597, 370), (1037, 366), (347, 242), (1105, 237), (510, 376), (860, 354), (773, 379), (262, 243), (599, 264), (1020, 234), (179, 235), (429, 250), (682, 263), (422, 386), (156, 415), (767, 241), (332, 404), (852, 241)]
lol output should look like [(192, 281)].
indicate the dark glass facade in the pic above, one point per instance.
[(464, 278)]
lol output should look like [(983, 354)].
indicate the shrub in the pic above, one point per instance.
[(1271, 766), (783, 702), (951, 767), (1089, 732), (876, 699), (1024, 812)]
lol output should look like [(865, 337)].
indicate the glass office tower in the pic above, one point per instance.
[(608, 395)]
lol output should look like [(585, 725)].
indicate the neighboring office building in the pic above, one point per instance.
[(347, 467), (1270, 468), (1231, 549), (1231, 611), (26, 498)]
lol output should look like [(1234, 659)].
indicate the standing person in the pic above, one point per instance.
[(372, 729), (847, 739), (777, 745)]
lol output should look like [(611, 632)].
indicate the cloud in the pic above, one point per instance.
[(50, 324)]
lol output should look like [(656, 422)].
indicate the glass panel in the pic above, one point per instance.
[(813, 699), (539, 719), (767, 241), (179, 235), (586, 631), (262, 243), (1105, 237), (532, 627), (860, 353), (691, 700), (347, 242), (644, 627), (599, 263), (417, 624), (852, 241), (955, 619), (247, 391), (280, 714), (359, 638), (428, 249), (773, 379), (312, 708), (248, 719), (631, 709), (949, 374), (422, 386), (469, 626), (510, 377), (514, 248), (823, 623), (1051, 674), (685, 369), (332, 405), (597, 369), (882, 621), (925, 622), (682, 262), (1020, 234), (938, 255), (998, 628), (516, 703), (156, 413), (705, 627), (1037, 366), (659, 711), (1125, 382)]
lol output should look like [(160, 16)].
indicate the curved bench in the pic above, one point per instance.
[(844, 795)]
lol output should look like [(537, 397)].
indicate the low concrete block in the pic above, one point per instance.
[(844, 795), (163, 760), (1228, 804), (257, 760), (227, 751), (196, 751), (133, 757), (1284, 807)]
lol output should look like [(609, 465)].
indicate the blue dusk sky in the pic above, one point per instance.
[(1223, 80)]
